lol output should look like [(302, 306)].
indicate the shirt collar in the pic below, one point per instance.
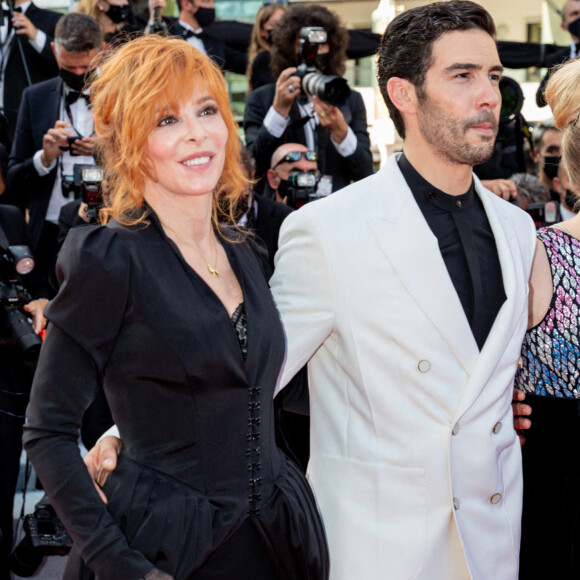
[(427, 194)]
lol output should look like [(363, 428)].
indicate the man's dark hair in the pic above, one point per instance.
[(288, 31), (76, 32), (406, 49)]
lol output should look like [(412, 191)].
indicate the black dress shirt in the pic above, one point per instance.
[(467, 246)]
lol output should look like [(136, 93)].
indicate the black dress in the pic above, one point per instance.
[(201, 490)]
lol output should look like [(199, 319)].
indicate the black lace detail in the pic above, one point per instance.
[(253, 452), (240, 323)]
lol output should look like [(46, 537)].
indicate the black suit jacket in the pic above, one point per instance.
[(344, 170), (558, 57), (41, 66), (39, 111), (225, 57), (268, 222)]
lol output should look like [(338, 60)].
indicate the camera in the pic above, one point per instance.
[(16, 261), (70, 141), (85, 184), (44, 535), (331, 89), (544, 214), (301, 188)]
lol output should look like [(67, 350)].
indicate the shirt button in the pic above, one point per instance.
[(456, 429), (432, 195), (424, 366), (456, 503), (495, 498), (458, 203), (497, 428)]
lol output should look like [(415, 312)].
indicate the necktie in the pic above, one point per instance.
[(73, 96), (189, 33)]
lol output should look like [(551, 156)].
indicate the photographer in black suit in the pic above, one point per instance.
[(570, 23), (54, 132), (24, 48), (281, 113), (15, 380), (194, 16)]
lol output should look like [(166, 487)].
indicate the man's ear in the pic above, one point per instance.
[(402, 94), (556, 184), (54, 50), (273, 179), (535, 156)]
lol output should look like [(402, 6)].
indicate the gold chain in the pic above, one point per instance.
[(211, 269)]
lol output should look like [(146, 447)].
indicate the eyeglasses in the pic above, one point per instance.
[(294, 156)]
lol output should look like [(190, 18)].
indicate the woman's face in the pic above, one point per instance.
[(270, 23), (187, 149)]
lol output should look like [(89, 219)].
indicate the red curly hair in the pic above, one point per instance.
[(136, 85)]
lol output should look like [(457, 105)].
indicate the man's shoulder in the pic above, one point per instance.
[(39, 15), (42, 89), (274, 208), (263, 94)]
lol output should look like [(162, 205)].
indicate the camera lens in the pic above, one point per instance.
[(331, 89), (24, 560)]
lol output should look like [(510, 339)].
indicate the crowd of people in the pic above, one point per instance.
[(293, 389)]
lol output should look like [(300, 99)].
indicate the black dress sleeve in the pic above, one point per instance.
[(85, 318)]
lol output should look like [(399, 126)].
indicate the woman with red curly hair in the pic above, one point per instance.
[(170, 310)]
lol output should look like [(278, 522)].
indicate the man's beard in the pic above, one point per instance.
[(447, 134)]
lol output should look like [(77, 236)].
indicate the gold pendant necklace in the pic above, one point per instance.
[(211, 269)]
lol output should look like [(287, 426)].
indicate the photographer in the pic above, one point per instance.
[(55, 132), (15, 379), (282, 112)]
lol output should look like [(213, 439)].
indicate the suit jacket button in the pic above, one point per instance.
[(424, 366), (497, 428), (495, 498), (456, 429), (456, 503)]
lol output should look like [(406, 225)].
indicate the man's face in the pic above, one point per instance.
[(459, 103), (571, 13), (550, 145), (77, 63), (286, 168)]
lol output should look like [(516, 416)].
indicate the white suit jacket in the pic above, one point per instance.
[(414, 461)]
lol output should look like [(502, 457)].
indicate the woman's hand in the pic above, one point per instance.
[(521, 412)]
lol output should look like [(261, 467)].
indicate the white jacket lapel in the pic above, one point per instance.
[(413, 252)]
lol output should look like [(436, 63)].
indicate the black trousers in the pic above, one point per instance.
[(551, 511)]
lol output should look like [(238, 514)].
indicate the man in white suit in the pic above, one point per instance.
[(406, 294)]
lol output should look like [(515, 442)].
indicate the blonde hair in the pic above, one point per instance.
[(563, 96), (89, 7), (136, 85), (257, 42)]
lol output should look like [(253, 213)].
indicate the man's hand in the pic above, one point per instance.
[(101, 460), (22, 25), (521, 412), (331, 118), (504, 188), (287, 91), (53, 140), (84, 146), (36, 308)]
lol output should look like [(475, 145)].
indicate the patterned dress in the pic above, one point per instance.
[(550, 361), (550, 352)]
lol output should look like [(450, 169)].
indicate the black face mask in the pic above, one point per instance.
[(321, 62), (570, 199), (574, 28), (118, 14), (73, 81), (551, 164), (205, 16)]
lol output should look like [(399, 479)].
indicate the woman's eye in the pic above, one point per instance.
[(209, 110), (167, 120)]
